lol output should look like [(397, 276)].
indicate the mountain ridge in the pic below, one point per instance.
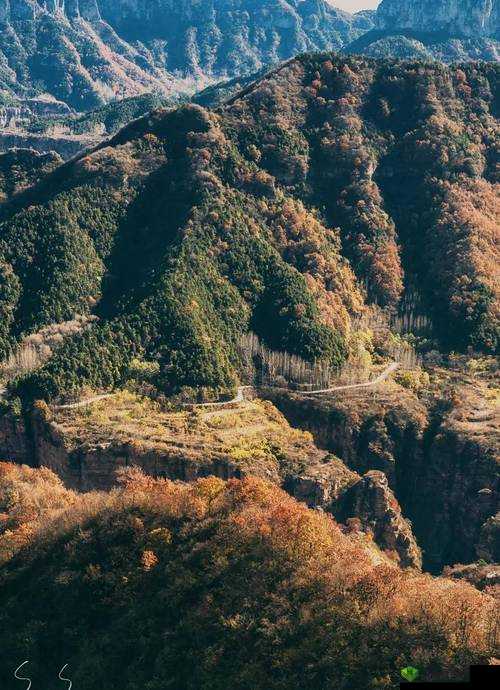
[(331, 181), (470, 18), (86, 52), (442, 30)]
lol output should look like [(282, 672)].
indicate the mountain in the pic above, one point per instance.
[(330, 182), (68, 133), (333, 225), (71, 73), (471, 18), (444, 30), (61, 59), (215, 585), (85, 53)]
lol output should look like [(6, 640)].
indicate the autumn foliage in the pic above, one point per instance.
[(217, 585), (331, 183)]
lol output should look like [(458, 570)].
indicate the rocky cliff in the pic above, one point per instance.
[(88, 52), (442, 30), (86, 447), (472, 18), (371, 502), (442, 464)]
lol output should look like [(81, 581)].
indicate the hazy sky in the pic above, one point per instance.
[(355, 5)]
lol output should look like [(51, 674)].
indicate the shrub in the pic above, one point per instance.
[(216, 585)]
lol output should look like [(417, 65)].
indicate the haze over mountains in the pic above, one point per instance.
[(471, 18), (86, 52), (445, 30), (58, 59)]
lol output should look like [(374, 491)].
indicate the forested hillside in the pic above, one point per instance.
[(19, 169), (329, 183), (214, 585), (85, 53)]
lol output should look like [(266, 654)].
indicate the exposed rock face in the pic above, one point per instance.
[(14, 441), (372, 502), (88, 52), (442, 30), (321, 486), (320, 480), (366, 434), (488, 548), (455, 17), (224, 36), (444, 471), (65, 50), (449, 492), (87, 458)]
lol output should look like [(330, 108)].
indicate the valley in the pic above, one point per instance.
[(436, 446), (219, 210), (72, 74), (249, 338)]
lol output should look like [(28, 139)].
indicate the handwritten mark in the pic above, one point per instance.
[(61, 677), (21, 677)]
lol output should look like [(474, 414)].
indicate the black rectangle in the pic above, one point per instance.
[(481, 678), (483, 674), (437, 686)]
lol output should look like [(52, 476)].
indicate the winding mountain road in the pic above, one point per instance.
[(368, 384), (84, 403), (240, 396), (353, 386)]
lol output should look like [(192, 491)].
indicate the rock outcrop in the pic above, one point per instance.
[(366, 433), (471, 18), (441, 30), (89, 52), (371, 502)]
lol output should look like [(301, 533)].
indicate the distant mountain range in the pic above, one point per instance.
[(466, 18), (75, 71), (88, 52), (444, 30)]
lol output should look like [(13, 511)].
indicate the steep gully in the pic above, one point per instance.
[(446, 482)]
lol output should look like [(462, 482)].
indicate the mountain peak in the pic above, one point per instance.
[(89, 52), (470, 18)]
